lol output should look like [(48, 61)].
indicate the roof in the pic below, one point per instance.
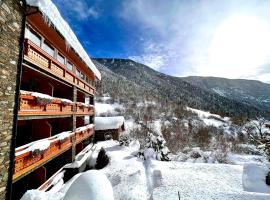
[(107, 123), (53, 16)]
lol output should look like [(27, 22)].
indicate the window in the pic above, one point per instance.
[(82, 76), (33, 36), (87, 79), (48, 48), (78, 73), (70, 66), (61, 58)]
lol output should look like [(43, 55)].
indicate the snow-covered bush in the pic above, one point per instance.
[(247, 149), (102, 159), (155, 148), (124, 140), (223, 148), (265, 147)]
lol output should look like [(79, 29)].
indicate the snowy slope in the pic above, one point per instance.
[(132, 178)]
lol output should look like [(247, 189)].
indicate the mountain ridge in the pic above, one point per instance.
[(176, 89)]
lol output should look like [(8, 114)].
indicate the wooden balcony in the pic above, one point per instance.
[(82, 109), (29, 157), (32, 106), (43, 60)]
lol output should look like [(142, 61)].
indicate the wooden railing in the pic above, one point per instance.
[(29, 106), (34, 54), (27, 159)]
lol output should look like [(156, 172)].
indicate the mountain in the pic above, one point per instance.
[(143, 80), (248, 91)]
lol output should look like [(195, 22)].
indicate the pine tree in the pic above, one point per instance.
[(155, 147), (102, 159)]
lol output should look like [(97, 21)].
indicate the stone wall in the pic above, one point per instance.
[(10, 31)]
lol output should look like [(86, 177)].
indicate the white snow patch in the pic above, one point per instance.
[(254, 178), (106, 123), (40, 95), (107, 109), (92, 184), (64, 135)]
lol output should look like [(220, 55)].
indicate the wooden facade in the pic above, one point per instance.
[(50, 68), (101, 135)]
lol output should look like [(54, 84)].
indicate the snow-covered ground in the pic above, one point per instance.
[(135, 178)]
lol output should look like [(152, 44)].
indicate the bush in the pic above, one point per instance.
[(102, 159), (156, 146), (223, 148), (124, 140)]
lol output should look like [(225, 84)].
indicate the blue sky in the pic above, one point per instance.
[(224, 38)]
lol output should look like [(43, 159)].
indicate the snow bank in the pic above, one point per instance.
[(39, 145), (53, 16), (105, 123), (254, 178), (93, 185), (105, 108), (40, 95), (134, 146), (83, 128), (66, 101), (81, 158), (62, 136)]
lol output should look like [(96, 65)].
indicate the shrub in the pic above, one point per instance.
[(102, 159), (124, 140), (156, 146), (223, 148)]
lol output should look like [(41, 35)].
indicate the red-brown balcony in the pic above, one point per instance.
[(38, 104), (84, 132), (84, 109), (37, 153), (40, 58)]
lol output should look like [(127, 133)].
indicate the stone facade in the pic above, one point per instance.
[(10, 31)]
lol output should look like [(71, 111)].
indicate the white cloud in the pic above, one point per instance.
[(152, 56), (81, 9), (182, 35)]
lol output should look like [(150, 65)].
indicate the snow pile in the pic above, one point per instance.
[(125, 171), (81, 158), (40, 95), (83, 128), (53, 16), (106, 123), (92, 184), (254, 176), (37, 146), (66, 101), (134, 146), (107, 109), (62, 136)]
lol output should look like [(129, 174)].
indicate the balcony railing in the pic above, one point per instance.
[(33, 155), (42, 59), (37, 104)]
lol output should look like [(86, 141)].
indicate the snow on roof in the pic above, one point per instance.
[(105, 123), (51, 13)]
